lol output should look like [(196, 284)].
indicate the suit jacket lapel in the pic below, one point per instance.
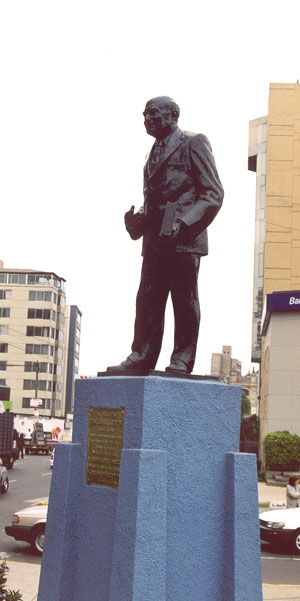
[(175, 140)]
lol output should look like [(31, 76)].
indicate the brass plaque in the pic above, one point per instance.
[(105, 442)]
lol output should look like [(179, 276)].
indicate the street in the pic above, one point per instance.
[(29, 479), (279, 566)]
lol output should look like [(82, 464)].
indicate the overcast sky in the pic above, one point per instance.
[(75, 76)]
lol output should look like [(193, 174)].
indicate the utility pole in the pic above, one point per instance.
[(37, 369)]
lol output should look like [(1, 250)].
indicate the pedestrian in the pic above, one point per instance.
[(293, 492), (20, 443)]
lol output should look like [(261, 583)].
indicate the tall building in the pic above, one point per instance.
[(39, 341), (73, 329), (229, 371), (274, 155)]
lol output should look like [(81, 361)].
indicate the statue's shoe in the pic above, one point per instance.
[(178, 366), (127, 365)]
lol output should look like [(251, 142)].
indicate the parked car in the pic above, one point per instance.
[(4, 482), (281, 526), (52, 458), (29, 525)]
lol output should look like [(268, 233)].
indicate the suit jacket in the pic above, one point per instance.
[(186, 175), (292, 496)]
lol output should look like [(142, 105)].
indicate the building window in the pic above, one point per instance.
[(3, 347), (59, 353), (60, 318), (4, 329), (39, 279), (59, 335), (17, 278), (40, 295), (42, 385), (2, 382), (26, 403), (37, 331), (57, 369), (61, 300), (45, 279), (3, 278), (38, 349), (43, 367), (56, 387), (3, 365), (40, 314), (5, 294), (57, 404), (4, 312)]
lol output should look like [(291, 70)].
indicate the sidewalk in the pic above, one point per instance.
[(25, 576), (281, 592), (275, 495)]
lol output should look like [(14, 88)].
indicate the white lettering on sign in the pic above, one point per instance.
[(294, 301)]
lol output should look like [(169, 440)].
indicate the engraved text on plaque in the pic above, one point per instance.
[(105, 441)]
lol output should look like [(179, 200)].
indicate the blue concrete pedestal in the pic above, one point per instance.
[(182, 524)]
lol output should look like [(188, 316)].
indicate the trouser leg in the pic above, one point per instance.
[(184, 291), (150, 311)]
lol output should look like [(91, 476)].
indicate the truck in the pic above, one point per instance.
[(9, 451), (37, 443)]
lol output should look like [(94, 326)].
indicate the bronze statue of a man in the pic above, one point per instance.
[(182, 195)]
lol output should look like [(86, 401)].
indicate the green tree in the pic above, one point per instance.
[(246, 405), (282, 451)]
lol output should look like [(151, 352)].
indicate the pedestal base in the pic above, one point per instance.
[(182, 524)]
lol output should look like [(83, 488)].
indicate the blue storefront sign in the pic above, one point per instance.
[(278, 302)]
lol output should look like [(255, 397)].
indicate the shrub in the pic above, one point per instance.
[(7, 594), (282, 451)]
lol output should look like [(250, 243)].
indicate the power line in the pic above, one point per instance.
[(28, 339)]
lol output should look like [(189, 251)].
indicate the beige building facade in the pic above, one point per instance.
[(274, 154), (35, 340)]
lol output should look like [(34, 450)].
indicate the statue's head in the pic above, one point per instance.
[(161, 116)]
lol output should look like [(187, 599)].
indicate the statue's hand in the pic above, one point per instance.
[(134, 222), (176, 229), (129, 216)]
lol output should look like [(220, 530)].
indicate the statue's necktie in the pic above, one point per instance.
[(156, 153)]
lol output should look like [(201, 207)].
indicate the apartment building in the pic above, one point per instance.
[(37, 340), (73, 330), (274, 155)]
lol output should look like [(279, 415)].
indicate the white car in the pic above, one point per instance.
[(281, 526), (29, 525)]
